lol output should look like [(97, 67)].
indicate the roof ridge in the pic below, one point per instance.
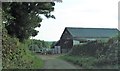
[(90, 28), (89, 32)]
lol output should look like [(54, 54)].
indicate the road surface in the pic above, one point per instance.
[(52, 62)]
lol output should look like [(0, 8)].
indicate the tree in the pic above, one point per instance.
[(21, 18), (119, 36)]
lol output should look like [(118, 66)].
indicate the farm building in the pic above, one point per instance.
[(56, 47), (76, 36)]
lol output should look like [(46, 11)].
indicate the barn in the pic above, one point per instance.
[(77, 36)]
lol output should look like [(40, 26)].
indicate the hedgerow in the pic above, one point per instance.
[(15, 55), (95, 54)]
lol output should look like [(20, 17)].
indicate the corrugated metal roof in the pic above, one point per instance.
[(92, 32)]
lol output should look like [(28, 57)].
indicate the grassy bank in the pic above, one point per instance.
[(16, 55), (84, 62), (31, 58), (95, 55), (87, 62)]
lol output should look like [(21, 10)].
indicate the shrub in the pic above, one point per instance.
[(16, 54), (95, 54), (89, 49)]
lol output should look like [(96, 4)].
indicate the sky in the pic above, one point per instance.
[(79, 13)]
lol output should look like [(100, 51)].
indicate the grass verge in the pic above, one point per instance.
[(87, 62), (31, 58), (84, 62)]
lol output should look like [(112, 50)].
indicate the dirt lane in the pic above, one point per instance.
[(52, 62)]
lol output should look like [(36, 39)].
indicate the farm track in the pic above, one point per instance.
[(52, 62)]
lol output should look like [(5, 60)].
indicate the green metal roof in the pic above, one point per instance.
[(92, 32)]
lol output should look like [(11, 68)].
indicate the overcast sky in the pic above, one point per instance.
[(79, 13)]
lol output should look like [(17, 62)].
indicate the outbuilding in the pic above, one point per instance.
[(77, 36)]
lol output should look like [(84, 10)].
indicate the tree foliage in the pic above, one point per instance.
[(21, 18), (19, 22), (40, 43), (118, 36)]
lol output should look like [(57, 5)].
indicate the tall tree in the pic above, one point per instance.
[(21, 18)]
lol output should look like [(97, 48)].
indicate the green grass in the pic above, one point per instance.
[(16, 55), (31, 58), (85, 62), (37, 62)]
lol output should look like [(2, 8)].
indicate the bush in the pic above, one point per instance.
[(16, 54), (94, 54), (89, 49)]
